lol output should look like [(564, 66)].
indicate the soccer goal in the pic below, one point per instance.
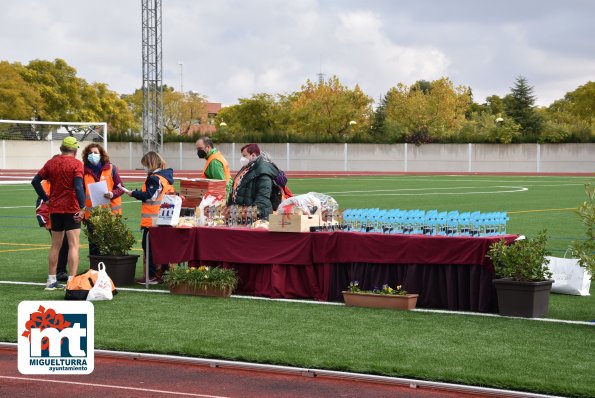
[(27, 144)]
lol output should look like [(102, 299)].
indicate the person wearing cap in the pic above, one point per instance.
[(216, 167), (66, 203)]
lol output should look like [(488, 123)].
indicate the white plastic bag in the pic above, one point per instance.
[(207, 200), (103, 286), (169, 211), (569, 277)]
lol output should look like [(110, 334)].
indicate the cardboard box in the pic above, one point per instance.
[(293, 222), (194, 190)]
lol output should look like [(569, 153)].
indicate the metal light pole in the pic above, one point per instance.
[(181, 77)]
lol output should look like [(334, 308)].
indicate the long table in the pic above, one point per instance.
[(447, 272)]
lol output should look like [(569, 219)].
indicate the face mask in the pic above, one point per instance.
[(94, 158), (146, 169), (201, 153), (244, 161)]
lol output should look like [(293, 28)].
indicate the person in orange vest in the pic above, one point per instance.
[(98, 168), (42, 212), (216, 167), (159, 182)]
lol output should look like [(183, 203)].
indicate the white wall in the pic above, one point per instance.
[(494, 158)]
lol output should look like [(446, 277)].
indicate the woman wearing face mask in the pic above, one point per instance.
[(159, 182), (253, 185), (98, 168)]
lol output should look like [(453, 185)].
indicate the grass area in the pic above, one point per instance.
[(525, 355)]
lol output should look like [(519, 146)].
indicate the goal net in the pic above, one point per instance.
[(29, 130)]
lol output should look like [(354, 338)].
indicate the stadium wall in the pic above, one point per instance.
[(455, 158)]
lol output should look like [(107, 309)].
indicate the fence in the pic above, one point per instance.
[(453, 158)]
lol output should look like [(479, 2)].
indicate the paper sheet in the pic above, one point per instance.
[(96, 191)]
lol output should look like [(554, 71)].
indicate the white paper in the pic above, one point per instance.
[(96, 191)]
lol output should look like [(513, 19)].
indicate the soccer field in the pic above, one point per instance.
[(532, 202), (521, 354)]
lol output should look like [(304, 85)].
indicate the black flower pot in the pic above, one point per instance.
[(523, 299), (121, 269)]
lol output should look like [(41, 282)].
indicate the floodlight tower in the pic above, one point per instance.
[(152, 77)]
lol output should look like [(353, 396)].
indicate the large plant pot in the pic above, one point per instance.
[(389, 301), (208, 291), (523, 299), (121, 269)]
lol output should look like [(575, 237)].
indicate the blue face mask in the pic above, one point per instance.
[(94, 158)]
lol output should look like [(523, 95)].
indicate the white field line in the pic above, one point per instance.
[(124, 202), (385, 192), (446, 312)]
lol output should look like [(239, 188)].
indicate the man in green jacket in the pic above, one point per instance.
[(216, 167)]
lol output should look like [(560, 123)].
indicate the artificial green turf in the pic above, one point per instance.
[(496, 352), (486, 351)]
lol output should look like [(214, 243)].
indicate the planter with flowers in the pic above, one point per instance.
[(384, 297), (201, 281)]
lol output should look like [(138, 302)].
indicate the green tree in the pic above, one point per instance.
[(327, 110), (427, 115), (18, 101), (520, 105)]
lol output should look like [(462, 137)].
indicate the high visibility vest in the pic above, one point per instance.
[(217, 156), (150, 208), (107, 175)]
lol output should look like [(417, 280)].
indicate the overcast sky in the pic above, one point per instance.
[(231, 49)]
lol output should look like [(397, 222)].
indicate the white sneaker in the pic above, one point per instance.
[(53, 286)]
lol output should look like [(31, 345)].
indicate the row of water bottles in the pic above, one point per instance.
[(432, 222)]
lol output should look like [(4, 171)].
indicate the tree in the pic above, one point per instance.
[(430, 114), (18, 101), (327, 108), (519, 105)]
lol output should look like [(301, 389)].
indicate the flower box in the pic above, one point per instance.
[(389, 301), (206, 291)]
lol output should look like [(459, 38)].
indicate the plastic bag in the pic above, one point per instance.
[(207, 201), (102, 290), (569, 277)]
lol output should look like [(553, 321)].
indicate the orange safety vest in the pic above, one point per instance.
[(107, 175), (217, 156), (150, 208)]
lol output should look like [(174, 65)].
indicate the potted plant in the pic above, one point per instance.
[(384, 297), (524, 283), (201, 281), (114, 240), (583, 250)]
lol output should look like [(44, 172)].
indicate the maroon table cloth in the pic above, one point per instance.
[(448, 272)]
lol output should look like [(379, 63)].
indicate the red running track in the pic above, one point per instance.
[(123, 377)]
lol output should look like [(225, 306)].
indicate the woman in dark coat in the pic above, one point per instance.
[(253, 185)]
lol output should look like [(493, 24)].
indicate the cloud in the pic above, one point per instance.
[(232, 49)]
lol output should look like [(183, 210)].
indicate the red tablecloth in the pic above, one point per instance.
[(450, 272)]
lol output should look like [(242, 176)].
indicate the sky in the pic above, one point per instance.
[(230, 49)]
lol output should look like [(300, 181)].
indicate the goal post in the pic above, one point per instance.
[(32, 130)]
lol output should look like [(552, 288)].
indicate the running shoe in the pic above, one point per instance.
[(53, 286)]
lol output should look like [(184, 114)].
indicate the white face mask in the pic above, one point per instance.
[(244, 161), (94, 158), (146, 169)]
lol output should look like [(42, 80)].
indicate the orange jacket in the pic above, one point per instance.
[(217, 156), (107, 175), (150, 208)]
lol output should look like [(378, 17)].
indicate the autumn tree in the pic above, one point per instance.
[(18, 101), (428, 114), (329, 110)]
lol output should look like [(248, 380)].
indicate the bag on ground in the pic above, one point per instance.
[(79, 287), (569, 277), (103, 286)]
